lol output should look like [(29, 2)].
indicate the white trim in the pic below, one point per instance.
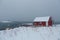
[(46, 23)]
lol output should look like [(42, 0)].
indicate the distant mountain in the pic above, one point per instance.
[(6, 21)]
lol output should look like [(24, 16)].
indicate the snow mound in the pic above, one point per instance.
[(31, 33)]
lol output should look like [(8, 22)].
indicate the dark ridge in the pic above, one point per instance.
[(15, 24)]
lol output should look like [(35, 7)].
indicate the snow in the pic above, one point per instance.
[(31, 33), (6, 21), (42, 18)]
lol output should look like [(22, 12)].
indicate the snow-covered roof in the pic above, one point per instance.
[(38, 19)]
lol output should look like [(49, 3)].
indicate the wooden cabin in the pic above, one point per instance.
[(43, 21)]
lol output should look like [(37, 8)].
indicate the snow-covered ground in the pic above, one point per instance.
[(31, 33)]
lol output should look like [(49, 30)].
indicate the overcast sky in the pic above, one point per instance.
[(27, 10)]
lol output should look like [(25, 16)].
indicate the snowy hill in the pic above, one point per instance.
[(31, 33)]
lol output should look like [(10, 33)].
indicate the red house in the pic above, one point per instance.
[(43, 21)]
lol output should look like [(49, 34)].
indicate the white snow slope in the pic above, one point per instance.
[(31, 33)]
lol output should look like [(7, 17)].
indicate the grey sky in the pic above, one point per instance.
[(20, 10)]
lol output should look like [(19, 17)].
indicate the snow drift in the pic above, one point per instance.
[(31, 33)]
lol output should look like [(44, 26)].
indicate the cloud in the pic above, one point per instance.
[(29, 9)]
